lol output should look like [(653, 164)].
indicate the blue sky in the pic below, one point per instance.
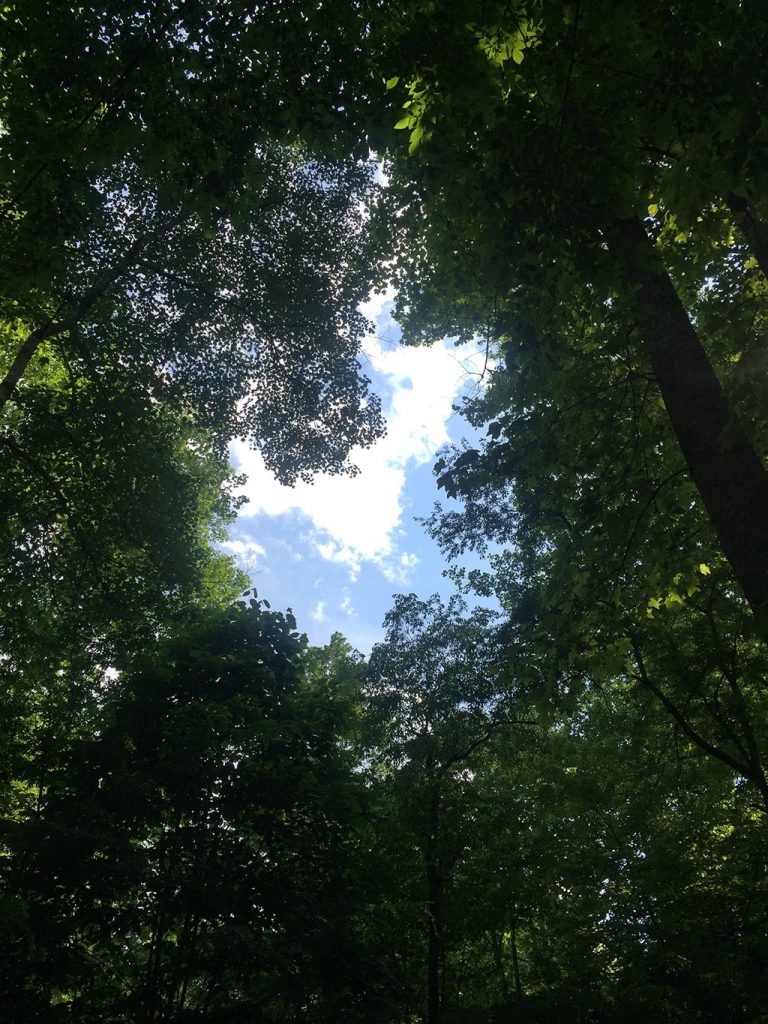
[(337, 550)]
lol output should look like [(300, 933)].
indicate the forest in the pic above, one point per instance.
[(542, 800)]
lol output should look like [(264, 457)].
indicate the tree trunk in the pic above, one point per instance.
[(724, 466), (515, 961), (751, 227), (435, 912), (497, 945)]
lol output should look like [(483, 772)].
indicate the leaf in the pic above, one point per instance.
[(404, 122), (416, 137), (517, 56), (704, 569), (392, 82), (653, 209)]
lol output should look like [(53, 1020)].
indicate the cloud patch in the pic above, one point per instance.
[(357, 520), (249, 554)]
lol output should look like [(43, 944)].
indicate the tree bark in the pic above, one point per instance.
[(723, 464), (752, 227)]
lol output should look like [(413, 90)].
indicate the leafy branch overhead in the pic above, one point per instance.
[(174, 201)]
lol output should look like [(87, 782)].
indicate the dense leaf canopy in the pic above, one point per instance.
[(552, 811), (163, 220)]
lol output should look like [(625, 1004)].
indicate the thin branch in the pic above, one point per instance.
[(742, 769), (638, 521), (57, 326), (111, 95), (462, 755)]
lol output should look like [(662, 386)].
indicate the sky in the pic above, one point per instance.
[(337, 550)]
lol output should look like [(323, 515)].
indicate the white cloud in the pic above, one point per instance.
[(247, 552), (347, 606), (358, 519), (318, 612), (399, 571)]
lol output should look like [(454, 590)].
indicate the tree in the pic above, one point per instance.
[(550, 191), (370, 968), (180, 270), (157, 199), (555, 198), (429, 701), (187, 856)]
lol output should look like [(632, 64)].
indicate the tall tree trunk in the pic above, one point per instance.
[(752, 227), (497, 946), (515, 960), (434, 910), (724, 466)]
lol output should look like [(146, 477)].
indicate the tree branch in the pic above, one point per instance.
[(58, 325), (742, 769)]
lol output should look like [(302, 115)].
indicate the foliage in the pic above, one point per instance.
[(178, 851), (113, 503), (554, 811), (561, 205), (583, 856), (583, 189), (158, 227)]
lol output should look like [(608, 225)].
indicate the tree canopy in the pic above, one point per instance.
[(549, 808), (163, 220), (560, 198)]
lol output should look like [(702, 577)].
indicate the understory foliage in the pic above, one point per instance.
[(239, 827), (547, 810), (176, 841)]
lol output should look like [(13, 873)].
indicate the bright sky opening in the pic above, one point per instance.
[(336, 550)]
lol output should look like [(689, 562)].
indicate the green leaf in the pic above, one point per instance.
[(392, 82), (416, 137)]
